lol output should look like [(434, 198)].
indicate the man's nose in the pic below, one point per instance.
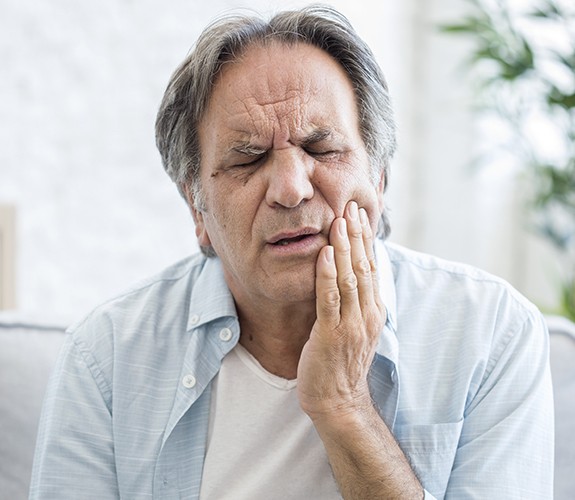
[(289, 178)]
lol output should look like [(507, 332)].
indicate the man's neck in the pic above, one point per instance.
[(275, 334)]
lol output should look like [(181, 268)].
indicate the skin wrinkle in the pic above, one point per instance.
[(272, 109)]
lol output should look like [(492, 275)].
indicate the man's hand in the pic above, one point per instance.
[(333, 368), (332, 385)]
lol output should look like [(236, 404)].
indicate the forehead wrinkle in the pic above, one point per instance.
[(248, 122), (293, 115), (272, 121), (276, 109)]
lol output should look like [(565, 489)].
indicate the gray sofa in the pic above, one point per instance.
[(28, 351), (27, 354), (562, 355)]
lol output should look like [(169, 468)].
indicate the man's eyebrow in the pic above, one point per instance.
[(316, 136), (247, 148)]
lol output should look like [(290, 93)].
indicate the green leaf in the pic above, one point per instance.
[(457, 28), (568, 61), (568, 298), (558, 98), (468, 25), (539, 13)]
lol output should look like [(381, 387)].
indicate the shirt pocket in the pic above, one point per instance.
[(431, 450)]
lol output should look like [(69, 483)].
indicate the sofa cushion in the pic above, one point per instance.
[(562, 334), (27, 356)]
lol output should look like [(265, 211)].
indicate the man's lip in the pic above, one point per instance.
[(288, 235)]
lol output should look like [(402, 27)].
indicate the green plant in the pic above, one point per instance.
[(523, 62)]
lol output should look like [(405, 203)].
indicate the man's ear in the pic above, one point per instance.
[(201, 231)]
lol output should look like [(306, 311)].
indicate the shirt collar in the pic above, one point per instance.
[(388, 344), (211, 298)]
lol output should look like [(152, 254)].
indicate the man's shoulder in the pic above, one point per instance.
[(468, 315), (164, 294), (452, 281), (403, 258)]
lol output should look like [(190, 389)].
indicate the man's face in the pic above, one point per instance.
[(281, 156)]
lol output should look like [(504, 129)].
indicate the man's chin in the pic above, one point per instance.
[(293, 288)]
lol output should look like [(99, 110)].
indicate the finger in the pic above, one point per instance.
[(368, 245), (346, 279), (326, 289), (359, 260)]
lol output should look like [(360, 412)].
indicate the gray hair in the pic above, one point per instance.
[(190, 87)]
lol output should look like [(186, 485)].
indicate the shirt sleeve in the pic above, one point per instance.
[(75, 451), (507, 442)]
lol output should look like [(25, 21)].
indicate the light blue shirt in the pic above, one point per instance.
[(461, 376)]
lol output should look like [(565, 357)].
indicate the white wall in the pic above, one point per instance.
[(81, 83)]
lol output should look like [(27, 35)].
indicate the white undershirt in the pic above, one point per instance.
[(261, 445)]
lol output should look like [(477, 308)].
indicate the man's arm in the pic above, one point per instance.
[(366, 460), (506, 446), (74, 450)]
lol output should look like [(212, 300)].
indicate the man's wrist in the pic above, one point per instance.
[(341, 412)]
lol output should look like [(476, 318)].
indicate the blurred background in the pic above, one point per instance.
[(86, 209)]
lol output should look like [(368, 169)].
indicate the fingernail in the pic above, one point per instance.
[(328, 254), (352, 210), (363, 217), (342, 227)]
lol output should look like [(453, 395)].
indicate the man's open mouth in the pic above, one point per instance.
[(286, 241), (287, 238)]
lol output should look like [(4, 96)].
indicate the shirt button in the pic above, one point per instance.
[(189, 381), (225, 334), (194, 319)]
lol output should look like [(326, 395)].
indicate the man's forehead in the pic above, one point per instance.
[(280, 94), (278, 73)]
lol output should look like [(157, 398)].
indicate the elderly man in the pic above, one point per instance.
[(298, 357)]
